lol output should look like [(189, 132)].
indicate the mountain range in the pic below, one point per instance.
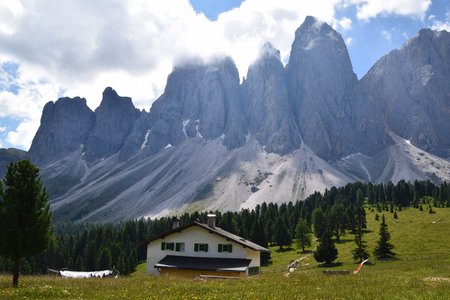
[(211, 141)]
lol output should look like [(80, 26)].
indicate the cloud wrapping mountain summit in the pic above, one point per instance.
[(210, 142)]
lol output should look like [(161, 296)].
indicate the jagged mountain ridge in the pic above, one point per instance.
[(211, 143)]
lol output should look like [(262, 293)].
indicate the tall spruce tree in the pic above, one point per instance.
[(360, 252), (282, 237), (25, 217), (384, 247), (319, 222), (303, 234), (326, 250), (337, 220)]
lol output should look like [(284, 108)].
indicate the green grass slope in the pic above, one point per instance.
[(422, 271)]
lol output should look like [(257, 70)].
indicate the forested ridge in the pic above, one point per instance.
[(87, 247)]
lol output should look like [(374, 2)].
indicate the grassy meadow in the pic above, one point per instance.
[(421, 271)]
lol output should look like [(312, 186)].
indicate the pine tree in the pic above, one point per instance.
[(319, 222), (25, 217), (282, 237), (415, 200), (257, 236), (104, 261), (90, 256), (360, 252), (384, 248), (337, 220), (326, 250), (303, 234), (79, 264), (123, 264)]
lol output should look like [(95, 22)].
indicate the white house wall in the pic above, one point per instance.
[(191, 236)]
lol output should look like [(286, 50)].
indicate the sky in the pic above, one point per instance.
[(52, 48)]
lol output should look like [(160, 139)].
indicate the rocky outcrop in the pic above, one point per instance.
[(65, 126), (114, 120), (267, 109), (411, 90), (200, 100), (324, 92)]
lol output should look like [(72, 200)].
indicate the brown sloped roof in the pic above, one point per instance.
[(216, 230)]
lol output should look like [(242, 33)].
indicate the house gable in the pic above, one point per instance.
[(216, 230), (199, 240)]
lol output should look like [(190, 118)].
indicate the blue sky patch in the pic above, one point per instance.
[(213, 8), (8, 77)]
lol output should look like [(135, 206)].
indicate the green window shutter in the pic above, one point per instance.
[(206, 247), (220, 247), (196, 247), (230, 248), (163, 246), (177, 247)]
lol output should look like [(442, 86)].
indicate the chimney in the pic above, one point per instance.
[(211, 220), (176, 223)]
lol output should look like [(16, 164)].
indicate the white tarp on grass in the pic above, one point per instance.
[(76, 274)]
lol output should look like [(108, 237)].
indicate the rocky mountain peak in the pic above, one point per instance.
[(200, 100), (266, 103), (411, 87), (65, 125), (268, 51), (313, 32), (112, 100), (114, 119), (322, 86)]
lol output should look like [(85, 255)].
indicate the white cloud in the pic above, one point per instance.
[(386, 35), (2, 129), (441, 25), (349, 41), (23, 135), (9, 9), (85, 46), (345, 23), (367, 9)]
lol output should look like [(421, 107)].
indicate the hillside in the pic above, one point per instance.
[(421, 272)]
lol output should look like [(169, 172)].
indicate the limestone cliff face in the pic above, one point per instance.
[(323, 90), (411, 89), (200, 100), (114, 119), (267, 109), (65, 127)]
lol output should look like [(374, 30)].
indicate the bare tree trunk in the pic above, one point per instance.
[(16, 266)]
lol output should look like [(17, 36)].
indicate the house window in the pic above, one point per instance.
[(179, 247), (167, 246), (225, 248), (200, 247), (253, 271)]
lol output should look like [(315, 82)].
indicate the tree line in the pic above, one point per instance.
[(88, 247)]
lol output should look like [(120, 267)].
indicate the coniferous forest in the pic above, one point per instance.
[(337, 211)]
